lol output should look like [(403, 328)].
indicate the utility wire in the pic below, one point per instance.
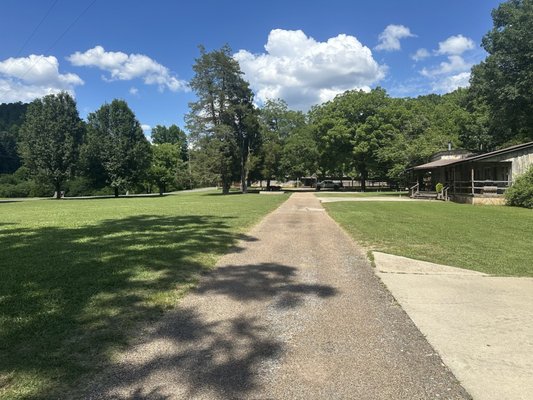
[(36, 28), (54, 43)]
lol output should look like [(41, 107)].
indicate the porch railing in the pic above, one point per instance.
[(414, 190), (481, 187)]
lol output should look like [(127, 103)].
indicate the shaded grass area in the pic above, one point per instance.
[(493, 239), (362, 194), (78, 276)]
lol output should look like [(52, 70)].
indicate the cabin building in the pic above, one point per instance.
[(471, 178)]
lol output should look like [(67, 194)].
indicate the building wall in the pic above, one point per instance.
[(521, 160)]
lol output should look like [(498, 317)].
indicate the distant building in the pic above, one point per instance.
[(471, 178)]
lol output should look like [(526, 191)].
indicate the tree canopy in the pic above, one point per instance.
[(118, 144), (504, 81), (50, 137)]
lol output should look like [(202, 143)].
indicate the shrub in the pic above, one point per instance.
[(438, 187), (520, 194)]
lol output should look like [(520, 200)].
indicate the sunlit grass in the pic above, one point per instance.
[(78, 275), (362, 194), (493, 239)]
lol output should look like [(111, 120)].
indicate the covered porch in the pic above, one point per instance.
[(461, 179)]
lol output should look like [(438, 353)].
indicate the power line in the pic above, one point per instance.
[(36, 28), (55, 42)]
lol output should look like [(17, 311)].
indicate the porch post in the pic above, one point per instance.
[(454, 179), (473, 191)]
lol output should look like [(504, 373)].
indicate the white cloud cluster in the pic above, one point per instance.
[(450, 83), (389, 39), (421, 54), (453, 65), (304, 72), (122, 66), (26, 78), (455, 71), (455, 45)]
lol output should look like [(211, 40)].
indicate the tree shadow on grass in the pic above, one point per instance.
[(69, 296), (200, 350)]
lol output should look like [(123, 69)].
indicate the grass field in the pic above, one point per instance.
[(78, 275), (362, 194), (493, 239)]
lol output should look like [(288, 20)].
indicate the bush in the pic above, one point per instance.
[(520, 194), (18, 185), (438, 187), (21, 189)]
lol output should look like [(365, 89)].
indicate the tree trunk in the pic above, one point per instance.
[(57, 186), (244, 172), (268, 184), (226, 184), (161, 190), (364, 175), (116, 191)]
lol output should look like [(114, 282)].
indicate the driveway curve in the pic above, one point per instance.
[(294, 312)]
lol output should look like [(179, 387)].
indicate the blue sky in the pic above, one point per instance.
[(302, 51)]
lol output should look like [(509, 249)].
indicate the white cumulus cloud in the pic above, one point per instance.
[(26, 78), (454, 64), (455, 45), (122, 66), (389, 39), (452, 82), (421, 54), (304, 72)]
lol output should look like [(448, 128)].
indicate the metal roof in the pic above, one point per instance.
[(446, 162), (438, 163)]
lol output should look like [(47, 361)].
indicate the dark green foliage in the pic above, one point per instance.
[(22, 184), (521, 193), (278, 123), (12, 114), (504, 81), (168, 169), (173, 135), (300, 154), (116, 141), (223, 117), (50, 137), (11, 117)]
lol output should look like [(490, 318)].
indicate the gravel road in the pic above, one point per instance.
[(294, 312)]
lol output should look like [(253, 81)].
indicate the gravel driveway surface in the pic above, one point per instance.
[(295, 312)]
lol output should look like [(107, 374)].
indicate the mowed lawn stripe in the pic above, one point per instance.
[(78, 275), (493, 239)]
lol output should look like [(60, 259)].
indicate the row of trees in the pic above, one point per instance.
[(359, 134), (54, 145), (365, 135)]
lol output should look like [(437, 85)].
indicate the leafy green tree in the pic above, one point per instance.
[(172, 134), (116, 139), (224, 113), (504, 80), (277, 123), (346, 137), (300, 154), (50, 138), (166, 165), (11, 117)]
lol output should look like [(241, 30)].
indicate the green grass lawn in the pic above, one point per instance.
[(493, 239), (78, 275), (362, 194)]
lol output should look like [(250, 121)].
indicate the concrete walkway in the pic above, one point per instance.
[(364, 198), (481, 325), (295, 312)]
